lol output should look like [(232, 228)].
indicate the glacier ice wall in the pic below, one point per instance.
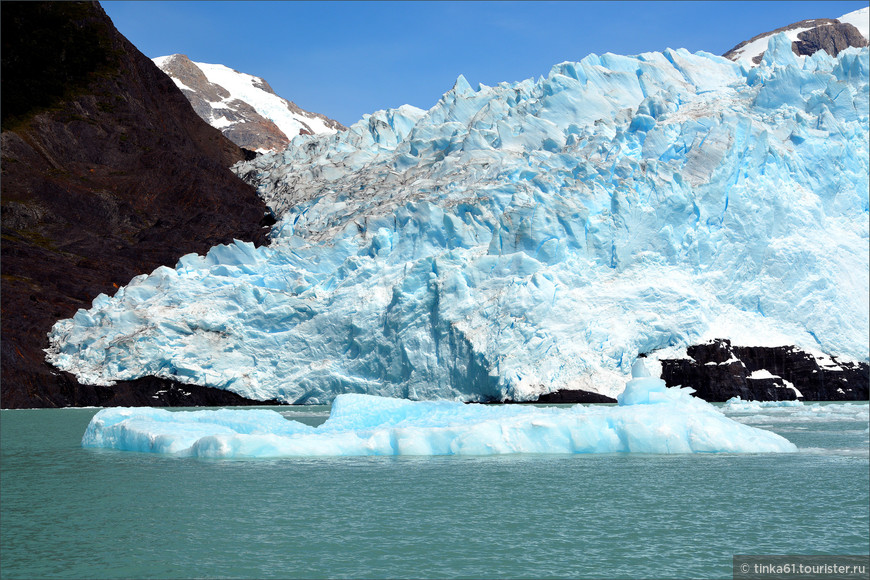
[(519, 239), (654, 419)]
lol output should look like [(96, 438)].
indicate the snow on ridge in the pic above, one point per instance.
[(250, 89), (160, 61), (525, 238), (756, 47), (860, 19), (753, 49), (252, 115)]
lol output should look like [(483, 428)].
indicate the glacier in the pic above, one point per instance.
[(524, 238), (650, 419)]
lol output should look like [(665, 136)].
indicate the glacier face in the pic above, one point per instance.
[(650, 419), (519, 239)]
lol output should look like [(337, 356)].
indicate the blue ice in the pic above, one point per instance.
[(649, 418), (526, 238)]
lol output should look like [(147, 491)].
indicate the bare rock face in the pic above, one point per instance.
[(244, 126), (107, 173), (816, 34), (719, 371), (238, 119), (832, 38)]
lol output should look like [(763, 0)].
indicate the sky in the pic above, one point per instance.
[(347, 59)]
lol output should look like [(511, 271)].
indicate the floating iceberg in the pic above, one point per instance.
[(650, 419), (524, 238), (738, 405), (795, 411)]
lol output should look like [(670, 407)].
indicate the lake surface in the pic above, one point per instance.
[(71, 512)]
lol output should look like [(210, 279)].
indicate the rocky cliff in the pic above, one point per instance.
[(107, 172)]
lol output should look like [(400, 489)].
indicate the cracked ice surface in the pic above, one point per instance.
[(519, 239)]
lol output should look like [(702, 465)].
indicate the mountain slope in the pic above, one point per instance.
[(107, 172), (809, 36), (527, 238), (243, 107)]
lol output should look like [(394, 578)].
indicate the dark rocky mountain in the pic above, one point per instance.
[(808, 37), (242, 106), (718, 371), (107, 172)]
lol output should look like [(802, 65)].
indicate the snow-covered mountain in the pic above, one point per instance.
[(529, 237), (242, 106), (809, 36)]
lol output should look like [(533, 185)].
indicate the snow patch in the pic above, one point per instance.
[(860, 19), (757, 47)]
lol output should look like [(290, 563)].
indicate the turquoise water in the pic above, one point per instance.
[(84, 513)]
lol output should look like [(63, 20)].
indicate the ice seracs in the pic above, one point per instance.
[(525, 238)]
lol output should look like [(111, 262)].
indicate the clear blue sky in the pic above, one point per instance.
[(345, 59)]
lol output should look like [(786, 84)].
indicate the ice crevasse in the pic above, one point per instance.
[(524, 238), (650, 418)]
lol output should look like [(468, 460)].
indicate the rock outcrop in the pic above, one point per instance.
[(808, 37), (832, 38), (574, 397), (718, 371), (247, 111), (107, 173)]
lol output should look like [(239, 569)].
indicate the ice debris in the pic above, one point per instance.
[(736, 405), (523, 238), (768, 412), (652, 419)]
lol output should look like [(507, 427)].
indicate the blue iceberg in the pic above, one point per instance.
[(649, 419)]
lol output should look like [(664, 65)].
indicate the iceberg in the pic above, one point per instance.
[(738, 405), (524, 238), (652, 419), (779, 412)]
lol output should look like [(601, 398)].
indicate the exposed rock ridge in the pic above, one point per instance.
[(238, 119), (247, 129), (107, 173), (719, 371), (832, 38), (816, 34)]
